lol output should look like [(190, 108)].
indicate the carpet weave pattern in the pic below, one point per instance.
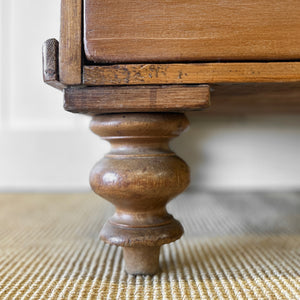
[(236, 246)]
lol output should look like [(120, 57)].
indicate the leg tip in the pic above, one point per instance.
[(141, 260)]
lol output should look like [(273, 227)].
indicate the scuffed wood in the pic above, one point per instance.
[(99, 100), (191, 30), (50, 64), (194, 73), (70, 46)]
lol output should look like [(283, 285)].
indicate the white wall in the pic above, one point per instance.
[(42, 147), (249, 152)]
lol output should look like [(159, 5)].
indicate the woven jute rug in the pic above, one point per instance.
[(236, 246)]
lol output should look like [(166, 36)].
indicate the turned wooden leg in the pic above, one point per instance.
[(140, 175)]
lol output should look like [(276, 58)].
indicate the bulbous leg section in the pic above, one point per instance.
[(140, 175)]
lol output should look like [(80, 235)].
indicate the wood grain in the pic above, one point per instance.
[(140, 175), (50, 64), (70, 49), (191, 30), (193, 73), (101, 100)]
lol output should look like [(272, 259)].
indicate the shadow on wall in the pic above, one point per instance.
[(241, 152)]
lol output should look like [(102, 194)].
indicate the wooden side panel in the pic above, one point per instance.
[(99, 100), (50, 64), (192, 73), (191, 30), (70, 46), (255, 98)]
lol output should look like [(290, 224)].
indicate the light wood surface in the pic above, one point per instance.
[(137, 99), (70, 46), (193, 73), (191, 30)]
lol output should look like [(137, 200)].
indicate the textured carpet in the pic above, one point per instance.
[(236, 246)]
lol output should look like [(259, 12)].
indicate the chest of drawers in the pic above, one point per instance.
[(137, 66)]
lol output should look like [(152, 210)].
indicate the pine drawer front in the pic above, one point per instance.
[(191, 30)]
